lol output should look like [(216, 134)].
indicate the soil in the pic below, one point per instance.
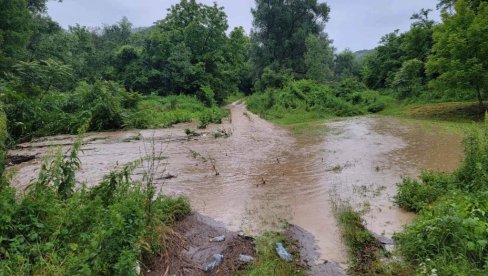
[(191, 249)]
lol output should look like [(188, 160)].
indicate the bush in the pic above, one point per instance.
[(472, 176), (302, 96), (213, 115), (450, 237), (414, 195), (155, 111)]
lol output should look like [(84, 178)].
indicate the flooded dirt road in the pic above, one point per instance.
[(261, 175)]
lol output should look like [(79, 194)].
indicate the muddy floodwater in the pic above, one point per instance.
[(261, 175)]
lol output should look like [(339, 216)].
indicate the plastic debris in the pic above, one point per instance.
[(246, 258), (218, 239), (284, 255), (214, 263)]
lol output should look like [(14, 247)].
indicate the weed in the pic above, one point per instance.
[(267, 261)]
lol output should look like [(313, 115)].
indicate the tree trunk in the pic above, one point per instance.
[(480, 100)]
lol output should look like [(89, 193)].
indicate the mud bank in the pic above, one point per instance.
[(260, 175), (190, 248)]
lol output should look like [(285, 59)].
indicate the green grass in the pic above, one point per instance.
[(306, 101), (156, 111), (453, 116), (267, 260)]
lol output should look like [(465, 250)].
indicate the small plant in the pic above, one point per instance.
[(190, 132)]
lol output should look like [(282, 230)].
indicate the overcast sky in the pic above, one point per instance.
[(354, 24)]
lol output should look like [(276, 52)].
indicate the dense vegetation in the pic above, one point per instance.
[(434, 62), (450, 233)]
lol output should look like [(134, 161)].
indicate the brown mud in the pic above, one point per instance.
[(261, 176)]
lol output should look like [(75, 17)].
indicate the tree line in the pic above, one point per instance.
[(45, 69)]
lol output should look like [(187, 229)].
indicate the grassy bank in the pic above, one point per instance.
[(449, 235), (105, 106), (457, 116), (306, 101)]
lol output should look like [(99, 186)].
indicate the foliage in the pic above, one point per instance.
[(279, 34), (189, 49), (414, 195), (319, 58), (15, 30), (459, 51), (308, 97), (449, 234), (155, 111), (346, 65), (105, 230)]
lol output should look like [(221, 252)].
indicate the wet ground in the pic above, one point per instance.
[(261, 175)]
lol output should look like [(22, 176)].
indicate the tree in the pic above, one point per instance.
[(280, 30), (15, 30), (189, 49), (345, 65), (448, 6), (380, 67), (460, 51), (408, 80), (319, 58), (38, 6), (417, 42)]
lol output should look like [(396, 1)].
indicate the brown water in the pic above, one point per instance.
[(266, 176)]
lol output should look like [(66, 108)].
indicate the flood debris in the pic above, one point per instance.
[(218, 239), (246, 258), (190, 251), (284, 255), (19, 159), (167, 176), (214, 263)]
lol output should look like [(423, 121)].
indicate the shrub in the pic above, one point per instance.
[(472, 176), (302, 96), (449, 236), (452, 234), (414, 195), (213, 115)]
